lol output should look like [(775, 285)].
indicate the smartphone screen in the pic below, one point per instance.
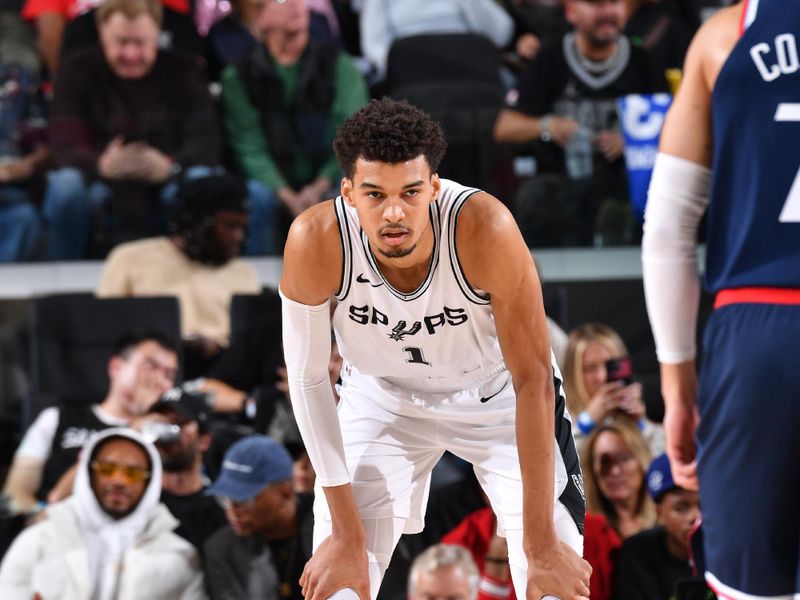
[(620, 369)]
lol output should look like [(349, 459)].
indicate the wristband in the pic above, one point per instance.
[(495, 559), (544, 128), (585, 423)]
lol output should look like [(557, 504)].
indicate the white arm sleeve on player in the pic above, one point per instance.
[(307, 349), (676, 201)]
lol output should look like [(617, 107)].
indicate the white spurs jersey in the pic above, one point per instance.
[(442, 332)]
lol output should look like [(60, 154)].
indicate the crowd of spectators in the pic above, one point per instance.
[(176, 137), (109, 107)]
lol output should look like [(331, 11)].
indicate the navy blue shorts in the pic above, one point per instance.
[(749, 450)]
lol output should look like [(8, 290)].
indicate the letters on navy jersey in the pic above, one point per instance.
[(777, 58), (400, 330)]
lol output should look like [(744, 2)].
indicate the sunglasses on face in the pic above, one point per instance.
[(131, 473)]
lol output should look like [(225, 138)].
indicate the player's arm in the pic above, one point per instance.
[(312, 267), (677, 199), (495, 259)]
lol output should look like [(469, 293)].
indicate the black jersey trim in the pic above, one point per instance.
[(437, 234), (347, 249), (572, 497), (455, 264)]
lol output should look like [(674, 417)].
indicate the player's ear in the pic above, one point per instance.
[(436, 184), (346, 189)]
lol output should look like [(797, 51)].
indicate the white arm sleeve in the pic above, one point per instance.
[(307, 350), (676, 201)]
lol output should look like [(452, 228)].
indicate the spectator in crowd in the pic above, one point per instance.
[(443, 571), (652, 561), (263, 551), (303, 475), (111, 540), (615, 460), (282, 103), (600, 544), (126, 120), (592, 395), (383, 22), (181, 446), (197, 263), (544, 18), (478, 534), (50, 17), (178, 32), (22, 148), (141, 368), (655, 26), (234, 35), (567, 109)]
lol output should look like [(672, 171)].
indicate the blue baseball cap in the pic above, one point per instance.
[(659, 477), (249, 466)]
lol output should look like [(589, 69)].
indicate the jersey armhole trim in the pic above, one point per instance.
[(347, 250), (455, 264)]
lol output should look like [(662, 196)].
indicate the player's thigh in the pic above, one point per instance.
[(749, 449), (390, 459)]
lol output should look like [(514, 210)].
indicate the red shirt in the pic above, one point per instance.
[(74, 8)]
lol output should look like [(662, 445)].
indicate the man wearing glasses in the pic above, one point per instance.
[(262, 553), (111, 539), (142, 366)]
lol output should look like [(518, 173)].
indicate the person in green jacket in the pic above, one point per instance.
[(282, 104)]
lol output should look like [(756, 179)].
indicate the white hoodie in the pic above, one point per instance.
[(79, 552)]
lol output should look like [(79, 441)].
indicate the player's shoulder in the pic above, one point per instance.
[(488, 241), (720, 32), (312, 257), (483, 217)]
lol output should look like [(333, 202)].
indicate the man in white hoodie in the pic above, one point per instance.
[(111, 539)]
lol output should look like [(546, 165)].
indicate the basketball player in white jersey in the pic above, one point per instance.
[(440, 322)]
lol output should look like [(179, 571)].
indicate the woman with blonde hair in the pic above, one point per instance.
[(592, 395), (615, 459)]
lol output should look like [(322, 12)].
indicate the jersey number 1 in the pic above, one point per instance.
[(415, 356), (790, 111)]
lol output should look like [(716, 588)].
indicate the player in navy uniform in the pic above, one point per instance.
[(730, 144), (440, 323)]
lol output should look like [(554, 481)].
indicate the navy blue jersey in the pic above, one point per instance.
[(754, 214)]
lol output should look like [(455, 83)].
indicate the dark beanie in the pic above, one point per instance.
[(205, 196)]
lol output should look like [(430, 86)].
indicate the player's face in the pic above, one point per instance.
[(392, 203), (677, 512), (616, 470)]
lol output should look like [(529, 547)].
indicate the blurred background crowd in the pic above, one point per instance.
[(148, 444)]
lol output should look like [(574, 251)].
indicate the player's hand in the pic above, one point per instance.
[(679, 388), (558, 571), (337, 564)]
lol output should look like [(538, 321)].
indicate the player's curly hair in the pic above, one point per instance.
[(389, 131)]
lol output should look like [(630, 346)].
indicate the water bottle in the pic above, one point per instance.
[(578, 154)]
